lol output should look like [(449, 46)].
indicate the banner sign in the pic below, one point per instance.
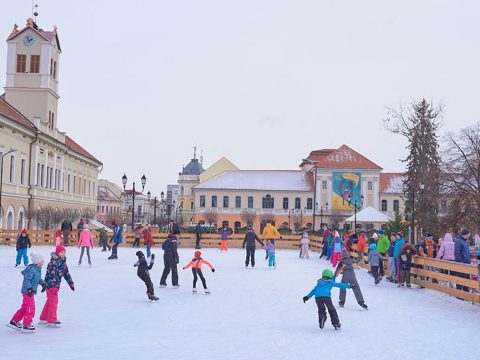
[(346, 185)]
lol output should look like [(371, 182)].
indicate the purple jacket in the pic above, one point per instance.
[(447, 249), (224, 234)]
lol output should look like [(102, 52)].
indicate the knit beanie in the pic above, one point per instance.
[(139, 254), (59, 249), (36, 258), (24, 232), (465, 231)]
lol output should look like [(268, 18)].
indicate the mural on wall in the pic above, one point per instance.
[(346, 185)]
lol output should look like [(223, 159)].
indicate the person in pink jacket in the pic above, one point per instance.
[(447, 249), (85, 241)]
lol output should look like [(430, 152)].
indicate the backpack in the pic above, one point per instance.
[(166, 244), (176, 229)]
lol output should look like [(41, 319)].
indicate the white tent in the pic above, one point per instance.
[(369, 215), (93, 225)]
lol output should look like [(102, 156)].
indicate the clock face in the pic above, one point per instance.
[(28, 40)]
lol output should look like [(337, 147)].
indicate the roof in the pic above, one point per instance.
[(13, 114), (77, 148), (391, 183), (369, 215), (130, 192), (267, 180), (343, 158), (318, 155), (47, 35), (193, 168)]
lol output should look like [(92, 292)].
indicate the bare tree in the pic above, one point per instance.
[(30, 214), (248, 216), (211, 217), (57, 217), (45, 218), (298, 218)]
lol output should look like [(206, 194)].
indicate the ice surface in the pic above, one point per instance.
[(251, 314)]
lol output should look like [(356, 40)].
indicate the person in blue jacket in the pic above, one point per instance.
[(396, 252), (462, 254), (323, 298), (116, 239)]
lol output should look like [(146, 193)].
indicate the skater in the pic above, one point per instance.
[(391, 259), (374, 260), (405, 264), (336, 249), (104, 240), (117, 238), (80, 225), (361, 245), (23, 242), (32, 277), (144, 275), (323, 298), (58, 237), (396, 252), (148, 240), (170, 260), (85, 242), (324, 242), (270, 249), (270, 233), (345, 268), (198, 234), (196, 265), (67, 227), (329, 245), (250, 238), (382, 246), (138, 235), (224, 239), (56, 269), (304, 246)]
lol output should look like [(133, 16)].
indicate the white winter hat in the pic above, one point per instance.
[(36, 258), (375, 236)]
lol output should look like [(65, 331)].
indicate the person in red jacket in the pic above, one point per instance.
[(196, 265), (148, 239), (361, 245)]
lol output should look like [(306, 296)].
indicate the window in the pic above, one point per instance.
[(103, 209), (74, 184), (202, 201), (238, 202), (89, 187), (53, 68), (298, 203), (324, 184), (22, 172), (51, 178), (51, 120), (285, 203), (84, 186), (68, 183), (250, 202), (268, 202), (396, 205), (21, 63), (12, 168), (139, 209), (35, 64), (384, 205), (214, 201), (42, 172), (370, 185), (191, 205), (225, 201), (309, 203)]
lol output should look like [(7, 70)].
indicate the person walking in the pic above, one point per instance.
[(198, 234), (249, 240), (85, 242), (462, 255), (117, 239), (23, 242), (346, 268), (362, 245), (170, 260), (67, 227)]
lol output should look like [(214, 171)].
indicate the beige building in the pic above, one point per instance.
[(44, 166)]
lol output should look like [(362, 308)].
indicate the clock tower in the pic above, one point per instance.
[(32, 74)]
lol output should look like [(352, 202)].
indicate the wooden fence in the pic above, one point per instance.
[(439, 275)]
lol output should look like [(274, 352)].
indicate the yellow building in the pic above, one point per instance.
[(44, 166)]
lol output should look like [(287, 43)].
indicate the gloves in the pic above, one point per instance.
[(30, 292), (213, 270), (349, 286), (44, 288), (72, 287), (305, 299)]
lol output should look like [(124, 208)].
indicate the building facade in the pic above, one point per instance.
[(42, 166), (109, 202)]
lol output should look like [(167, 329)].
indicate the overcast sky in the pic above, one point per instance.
[(260, 82)]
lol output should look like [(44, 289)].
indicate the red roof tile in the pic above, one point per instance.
[(346, 158), (318, 155), (77, 148), (391, 182), (10, 112)]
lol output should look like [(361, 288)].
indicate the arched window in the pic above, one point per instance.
[(309, 226), (384, 205), (202, 201), (298, 203), (238, 202), (250, 202), (224, 223), (21, 218), (309, 203), (268, 202), (181, 191), (225, 201), (285, 203)]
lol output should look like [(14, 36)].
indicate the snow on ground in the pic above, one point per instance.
[(251, 314)]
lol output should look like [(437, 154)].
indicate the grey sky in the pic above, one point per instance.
[(260, 82)]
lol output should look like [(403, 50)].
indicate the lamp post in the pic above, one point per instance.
[(155, 202), (124, 182), (355, 208), (289, 215), (1, 176), (314, 163)]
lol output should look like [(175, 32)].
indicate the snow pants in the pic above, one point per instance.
[(374, 270), (250, 256), (336, 258), (391, 267), (170, 264), (325, 303), (223, 245), (49, 312), (198, 272), (304, 253), (271, 260), (22, 253), (27, 311), (381, 268), (104, 245), (324, 250), (405, 277), (145, 277), (329, 252), (88, 254), (349, 277)]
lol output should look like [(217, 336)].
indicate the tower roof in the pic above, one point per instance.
[(46, 35), (193, 168)]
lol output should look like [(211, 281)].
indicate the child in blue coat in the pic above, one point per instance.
[(323, 298), (270, 248)]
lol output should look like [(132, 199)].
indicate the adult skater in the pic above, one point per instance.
[(170, 260), (144, 275), (304, 246), (270, 233), (198, 234), (346, 268), (104, 240), (117, 238), (67, 227), (249, 240)]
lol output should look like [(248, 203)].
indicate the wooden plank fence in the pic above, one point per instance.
[(438, 275)]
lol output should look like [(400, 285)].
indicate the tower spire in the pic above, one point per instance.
[(194, 152)]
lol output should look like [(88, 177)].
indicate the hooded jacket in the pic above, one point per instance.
[(117, 235), (147, 237), (447, 249), (398, 245), (374, 258), (56, 269), (23, 242), (462, 250), (32, 277), (269, 232), (362, 243), (85, 238)]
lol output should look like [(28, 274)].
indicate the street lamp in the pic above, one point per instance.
[(1, 177), (314, 163), (355, 208), (155, 202), (124, 182)]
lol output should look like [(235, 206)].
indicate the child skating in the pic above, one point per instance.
[(304, 246), (196, 265), (323, 298), (270, 249), (23, 242), (32, 277), (374, 259), (144, 275), (346, 269)]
